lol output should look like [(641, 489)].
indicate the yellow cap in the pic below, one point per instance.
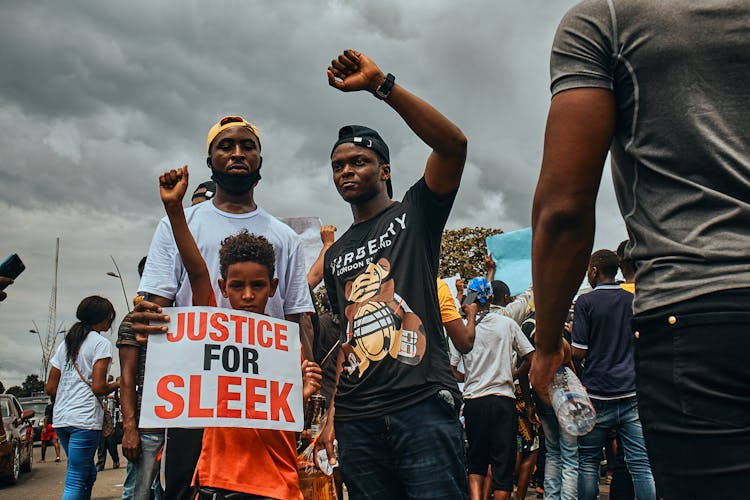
[(225, 123)]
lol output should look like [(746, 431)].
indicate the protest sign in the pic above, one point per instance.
[(451, 282), (512, 255), (223, 368)]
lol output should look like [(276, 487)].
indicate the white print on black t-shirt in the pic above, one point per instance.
[(379, 322), (363, 255)]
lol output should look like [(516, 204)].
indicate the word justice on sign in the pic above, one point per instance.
[(227, 367)]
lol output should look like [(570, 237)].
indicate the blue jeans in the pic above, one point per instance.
[(141, 474), (414, 453), (561, 465), (622, 416), (80, 446)]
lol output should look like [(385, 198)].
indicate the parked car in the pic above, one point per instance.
[(38, 404), (16, 439)]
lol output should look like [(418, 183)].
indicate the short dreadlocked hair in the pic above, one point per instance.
[(246, 247)]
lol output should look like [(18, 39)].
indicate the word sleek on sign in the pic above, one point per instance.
[(223, 368)]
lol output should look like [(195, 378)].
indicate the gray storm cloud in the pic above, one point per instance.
[(97, 98)]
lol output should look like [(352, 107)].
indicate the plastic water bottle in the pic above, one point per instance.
[(572, 405)]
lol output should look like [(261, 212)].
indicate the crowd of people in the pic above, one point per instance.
[(661, 353)]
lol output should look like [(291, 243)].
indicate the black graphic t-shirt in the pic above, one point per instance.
[(380, 276)]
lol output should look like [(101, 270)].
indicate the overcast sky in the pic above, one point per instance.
[(98, 98)]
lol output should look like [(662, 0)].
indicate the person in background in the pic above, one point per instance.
[(601, 336), (489, 397), (516, 308), (77, 379), (626, 267), (48, 433), (109, 443), (141, 446)]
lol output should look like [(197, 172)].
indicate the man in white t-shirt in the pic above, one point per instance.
[(233, 146), (489, 398)]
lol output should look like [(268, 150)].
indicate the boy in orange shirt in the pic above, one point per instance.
[(237, 463)]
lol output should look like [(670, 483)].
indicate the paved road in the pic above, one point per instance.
[(45, 482)]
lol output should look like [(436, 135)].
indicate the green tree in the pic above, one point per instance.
[(2, 388), (17, 391), (462, 251), (32, 385)]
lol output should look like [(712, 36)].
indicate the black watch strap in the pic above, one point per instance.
[(384, 89)]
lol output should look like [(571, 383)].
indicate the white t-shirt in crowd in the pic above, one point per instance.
[(517, 310), (75, 402), (165, 275), (488, 367)]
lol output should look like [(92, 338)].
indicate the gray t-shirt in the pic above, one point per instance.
[(488, 367), (680, 72)]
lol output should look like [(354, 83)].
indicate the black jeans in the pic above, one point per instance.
[(183, 448), (693, 380)]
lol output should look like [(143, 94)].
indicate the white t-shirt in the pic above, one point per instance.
[(488, 367), (75, 402), (165, 275)]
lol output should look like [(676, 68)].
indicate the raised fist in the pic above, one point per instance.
[(352, 71), (173, 185)]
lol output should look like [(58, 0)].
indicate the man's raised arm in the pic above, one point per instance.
[(579, 130), (353, 71)]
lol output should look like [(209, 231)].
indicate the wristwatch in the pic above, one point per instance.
[(384, 89)]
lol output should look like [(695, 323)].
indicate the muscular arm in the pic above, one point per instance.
[(128, 368), (461, 335), (445, 164), (579, 130)]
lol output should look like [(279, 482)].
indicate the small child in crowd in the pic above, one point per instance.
[(256, 462)]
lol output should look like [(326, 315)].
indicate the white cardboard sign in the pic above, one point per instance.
[(223, 368)]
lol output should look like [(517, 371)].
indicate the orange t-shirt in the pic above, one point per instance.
[(448, 311), (256, 461)]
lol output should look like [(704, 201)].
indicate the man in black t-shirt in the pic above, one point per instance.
[(396, 401)]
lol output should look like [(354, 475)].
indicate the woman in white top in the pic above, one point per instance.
[(77, 379)]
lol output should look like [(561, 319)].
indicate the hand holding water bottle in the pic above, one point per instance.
[(571, 404)]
